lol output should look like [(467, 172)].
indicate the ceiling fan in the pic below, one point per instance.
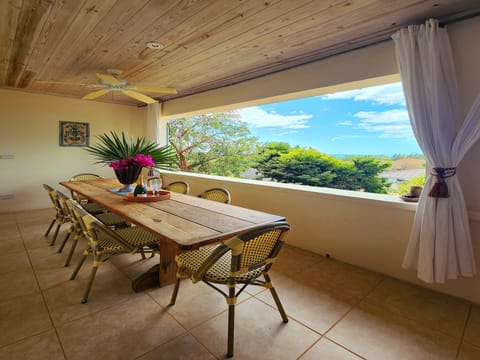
[(111, 82)]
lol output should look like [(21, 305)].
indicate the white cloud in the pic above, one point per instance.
[(342, 137), (390, 94), (345, 123), (258, 117), (389, 124)]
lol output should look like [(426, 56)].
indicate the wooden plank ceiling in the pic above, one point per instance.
[(56, 47)]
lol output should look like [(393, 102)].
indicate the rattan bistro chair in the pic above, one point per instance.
[(104, 242), (61, 217), (109, 219), (237, 261), (92, 208), (180, 187), (217, 194)]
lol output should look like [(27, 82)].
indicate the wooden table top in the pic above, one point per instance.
[(185, 220)]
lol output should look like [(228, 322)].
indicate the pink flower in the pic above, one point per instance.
[(139, 160)]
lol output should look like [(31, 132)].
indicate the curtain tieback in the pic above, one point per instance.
[(440, 188)]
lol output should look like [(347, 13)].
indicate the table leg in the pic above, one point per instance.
[(168, 268), (162, 274)]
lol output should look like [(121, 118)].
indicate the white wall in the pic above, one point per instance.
[(30, 132)]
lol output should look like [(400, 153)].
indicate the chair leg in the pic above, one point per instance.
[(276, 298), (175, 292), (50, 227), (231, 300), (60, 249), (55, 234), (80, 263), (96, 264), (72, 249)]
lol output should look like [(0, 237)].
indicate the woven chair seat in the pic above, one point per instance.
[(138, 237), (219, 272), (111, 219), (93, 208), (108, 245)]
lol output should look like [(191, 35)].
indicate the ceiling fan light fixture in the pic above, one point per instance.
[(154, 45)]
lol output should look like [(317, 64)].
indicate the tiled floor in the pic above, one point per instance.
[(336, 311)]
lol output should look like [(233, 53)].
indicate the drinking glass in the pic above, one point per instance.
[(153, 185)]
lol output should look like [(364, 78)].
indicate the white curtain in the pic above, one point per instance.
[(440, 244), (153, 122)]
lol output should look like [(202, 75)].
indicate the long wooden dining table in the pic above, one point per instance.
[(181, 223)]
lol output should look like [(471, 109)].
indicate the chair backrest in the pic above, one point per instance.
[(82, 177), (257, 248), (63, 202), (217, 194), (179, 187), (85, 177), (52, 193), (97, 233)]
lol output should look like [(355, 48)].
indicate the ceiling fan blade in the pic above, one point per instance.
[(140, 97), (109, 79), (164, 90), (96, 94)]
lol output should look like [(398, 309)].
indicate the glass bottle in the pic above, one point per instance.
[(140, 190)]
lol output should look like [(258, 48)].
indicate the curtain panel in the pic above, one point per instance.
[(440, 245), (153, 122)]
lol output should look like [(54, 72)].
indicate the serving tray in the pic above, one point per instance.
[(160, 195)]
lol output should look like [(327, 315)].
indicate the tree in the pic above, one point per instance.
[(217, 144), (309, 167)]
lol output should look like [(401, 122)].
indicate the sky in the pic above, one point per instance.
[(368, 121)]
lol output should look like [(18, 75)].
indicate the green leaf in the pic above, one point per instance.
[(111, 147)]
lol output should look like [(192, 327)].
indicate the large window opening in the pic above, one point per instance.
[(357, 140)]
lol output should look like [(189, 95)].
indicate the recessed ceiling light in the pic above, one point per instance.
[(154, 45)]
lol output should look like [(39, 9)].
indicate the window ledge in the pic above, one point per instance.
[(374, 199)]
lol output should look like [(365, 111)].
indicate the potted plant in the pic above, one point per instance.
[(127, 156)]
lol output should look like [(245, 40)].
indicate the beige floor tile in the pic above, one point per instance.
[(38, 347), (11, 244), (469, 352), (326, 349), (18, 283), (259, 334), (10, 239), (374, 334), (22, 317), (33, 237), (124, 331), (292, 260), (110, 288), (428, 308), (132, 265), (7, 219), (35, 215), (8, 229), (310, 305), (14, 261), (345, 282), (50, 266), (184, 347), (195, 304), (472, 330)]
